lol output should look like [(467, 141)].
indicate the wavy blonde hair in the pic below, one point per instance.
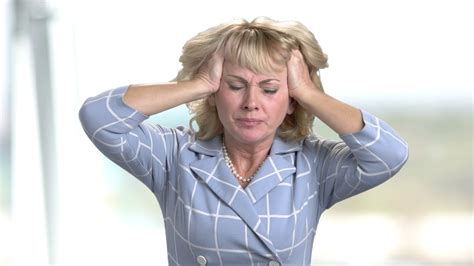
[(262, 45)]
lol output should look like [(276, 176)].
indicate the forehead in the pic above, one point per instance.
[(230, 68)]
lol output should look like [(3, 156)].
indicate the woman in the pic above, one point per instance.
[(249, 185)]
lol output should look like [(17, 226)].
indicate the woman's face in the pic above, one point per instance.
[(251, 106)]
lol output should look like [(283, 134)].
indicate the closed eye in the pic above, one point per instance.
[(270, 90), (235, 87)]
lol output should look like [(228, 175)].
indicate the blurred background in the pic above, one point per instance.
[(62, 202)]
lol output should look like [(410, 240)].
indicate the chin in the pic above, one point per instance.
[(250, 137)]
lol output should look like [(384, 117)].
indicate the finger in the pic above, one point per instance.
[(216, 59), (295, 57), (220, 52), (218, 55)]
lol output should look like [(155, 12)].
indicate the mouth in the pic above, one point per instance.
[(249, 122)]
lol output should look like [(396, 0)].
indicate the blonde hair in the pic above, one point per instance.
[(262, 46)]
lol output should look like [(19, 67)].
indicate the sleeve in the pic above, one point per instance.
[(362, 161), (119, 132)]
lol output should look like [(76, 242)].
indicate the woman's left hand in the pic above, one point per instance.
[(298, 75), (339, 116)]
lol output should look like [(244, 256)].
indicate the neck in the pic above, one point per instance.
[(246, 159)]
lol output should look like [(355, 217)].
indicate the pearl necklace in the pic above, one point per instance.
[(229, 163)]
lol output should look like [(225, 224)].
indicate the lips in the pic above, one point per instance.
[(249, 122)]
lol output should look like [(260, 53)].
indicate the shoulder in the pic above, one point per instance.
[(317, 143)]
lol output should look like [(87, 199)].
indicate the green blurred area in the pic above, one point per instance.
[(438, 174)]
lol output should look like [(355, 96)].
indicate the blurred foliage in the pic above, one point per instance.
[(438, 174)]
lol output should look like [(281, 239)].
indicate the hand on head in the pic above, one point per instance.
[(211, 71), (298, 74)]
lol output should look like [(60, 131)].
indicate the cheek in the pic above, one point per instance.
[(221, 100), (286, 107), (278, 109), (224, 104)]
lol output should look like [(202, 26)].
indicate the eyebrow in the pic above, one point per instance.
[(261, 82)]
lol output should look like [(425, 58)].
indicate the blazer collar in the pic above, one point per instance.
[(275, 169), (280, 146), (213, 146), (210, 147)]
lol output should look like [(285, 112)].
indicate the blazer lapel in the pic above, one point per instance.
[(214, 172), (277, 168)]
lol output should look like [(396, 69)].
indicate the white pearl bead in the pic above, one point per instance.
[(232, 168)]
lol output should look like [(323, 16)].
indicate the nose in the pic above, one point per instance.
[(250, 100)]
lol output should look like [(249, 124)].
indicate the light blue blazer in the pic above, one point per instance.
[(209, 218)]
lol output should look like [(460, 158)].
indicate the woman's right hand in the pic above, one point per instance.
[(210, 72), (154, 98)]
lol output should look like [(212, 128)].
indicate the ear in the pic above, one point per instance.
[(211, 100), (291, 106)]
